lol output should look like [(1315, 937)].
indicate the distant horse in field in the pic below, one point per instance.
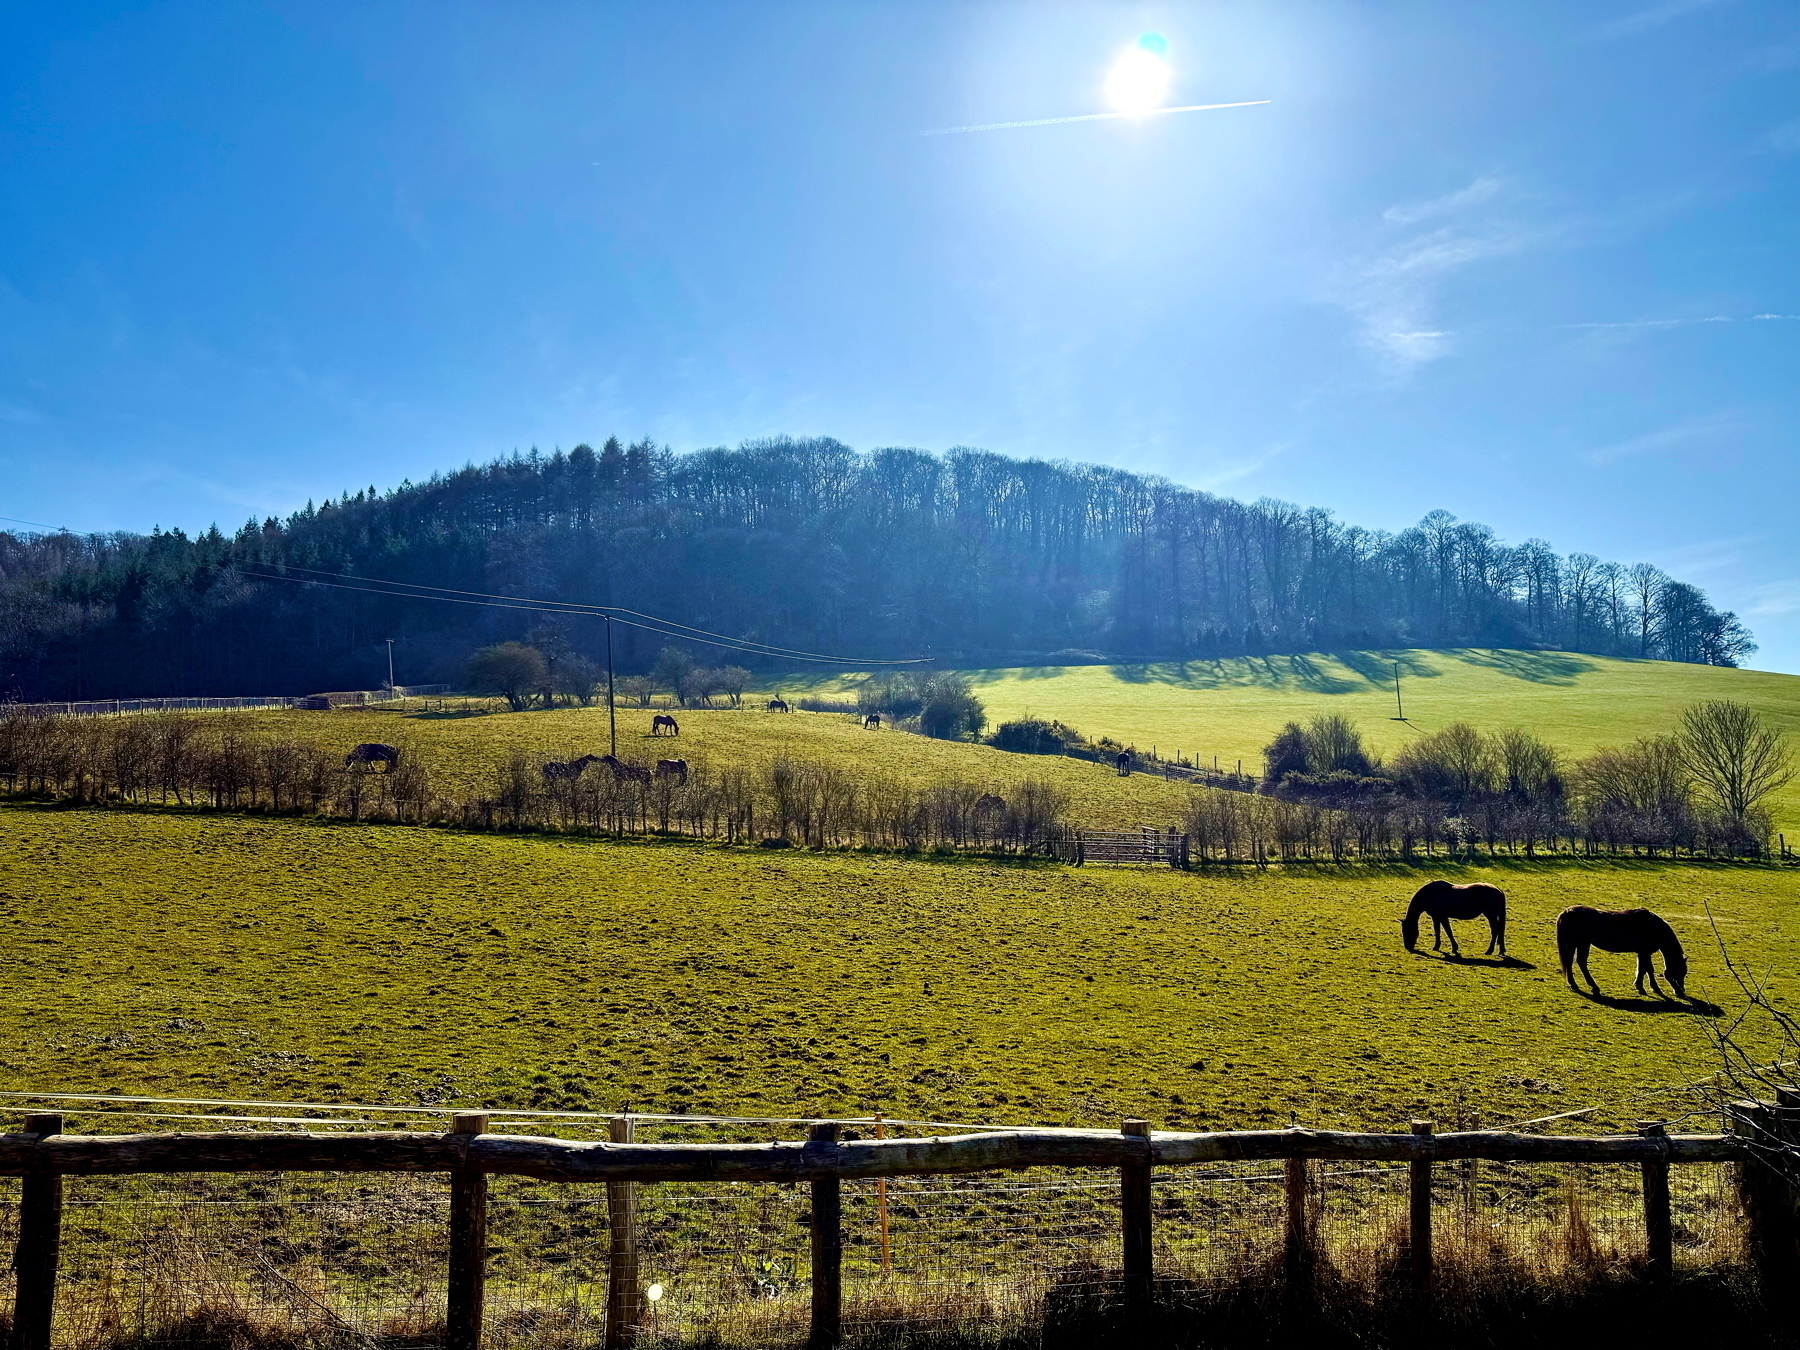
[(672, 768), (778, 705), (625, 773), (556, 771), (1122, 762), (1444, 902), (872, 722), (369, 754), (1620, 930), (663, 722)]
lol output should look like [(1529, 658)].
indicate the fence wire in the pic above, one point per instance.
[(360, 1259)]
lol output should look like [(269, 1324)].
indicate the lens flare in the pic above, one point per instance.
[(1139, 80)]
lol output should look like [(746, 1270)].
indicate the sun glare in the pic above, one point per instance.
[(1139, 80)]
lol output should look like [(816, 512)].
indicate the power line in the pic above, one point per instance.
[(586, 611)]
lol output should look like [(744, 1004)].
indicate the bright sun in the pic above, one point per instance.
[(1139, 80)]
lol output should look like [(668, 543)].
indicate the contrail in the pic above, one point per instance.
[(1091, 117)]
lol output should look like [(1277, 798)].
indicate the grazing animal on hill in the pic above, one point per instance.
[(1444, 902), (1122, 762), (672, 768), (1620, 930), (625, 773), (556, 770), (369, 754), (778, 705), (663, 722), (873, 720)]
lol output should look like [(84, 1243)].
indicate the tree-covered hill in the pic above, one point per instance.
[(973, 557)]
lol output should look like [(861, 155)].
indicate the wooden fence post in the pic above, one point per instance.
[(1769, 1198), (40, 1243), (1299, 1253), (881, 1204), (468, 1243), (1418, 1230), (1659, 1229), (827, 1247), (624, 1292), (1134, 1213)]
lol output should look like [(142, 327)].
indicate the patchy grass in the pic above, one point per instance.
[(197, 955), (1232, 707)]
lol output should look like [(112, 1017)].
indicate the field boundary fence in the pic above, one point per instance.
[(114, 707), (811, 1235)]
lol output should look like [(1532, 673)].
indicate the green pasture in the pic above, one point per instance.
[(152, 952), (1230, 708), (464, 754)]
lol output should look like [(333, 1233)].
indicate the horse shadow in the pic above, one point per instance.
[(1493, 962), (1694, 1007)]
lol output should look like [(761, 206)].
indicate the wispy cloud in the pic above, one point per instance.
[(1678, 323), (1483, 189), (1774, 597), (1690, 431), (1646, 19), (1230, 471)]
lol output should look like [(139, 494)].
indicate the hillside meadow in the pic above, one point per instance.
[(154, 952), (1232, 707)]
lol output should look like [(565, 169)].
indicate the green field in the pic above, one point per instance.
[(1231, 708), (189, 955)]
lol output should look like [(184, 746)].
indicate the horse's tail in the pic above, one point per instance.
[(1565, 946), (1409, 926)]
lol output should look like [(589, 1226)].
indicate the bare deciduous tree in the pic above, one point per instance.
[(1735, 757)]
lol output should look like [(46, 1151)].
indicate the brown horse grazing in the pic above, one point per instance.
[(625, 773), (369, 753), (777, 705), (872, 722), (663, 722), (556, 770), (1444, 902), (672, 768), (1620, 930)]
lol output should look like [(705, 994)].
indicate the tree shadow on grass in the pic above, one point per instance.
[(1492, 962), (1537, 667)]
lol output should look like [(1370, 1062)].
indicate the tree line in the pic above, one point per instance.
[(971, 557), (1701, 787)]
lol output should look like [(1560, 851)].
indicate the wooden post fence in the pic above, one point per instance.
[(468, 1243), (40, 1245), (1659, 1226), (1297, 1250), (1766, 1190), (1135, 1222), (827, 1247), (1418, 1228), (624, 1290)]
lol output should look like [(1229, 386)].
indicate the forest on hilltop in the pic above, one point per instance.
[(972, 557)]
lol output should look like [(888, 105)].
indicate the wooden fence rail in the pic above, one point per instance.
[(43, 1155)]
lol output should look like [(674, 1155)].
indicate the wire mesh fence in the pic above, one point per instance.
[(328, 1259)]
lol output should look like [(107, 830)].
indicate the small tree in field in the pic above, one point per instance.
[(732, 682), (640, 687), (510, 669), (1736, 758), (576, 677), (673, 665)]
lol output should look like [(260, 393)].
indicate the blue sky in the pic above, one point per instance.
[(1531, 263)]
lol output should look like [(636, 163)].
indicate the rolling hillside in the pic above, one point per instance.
[(1231, 707)]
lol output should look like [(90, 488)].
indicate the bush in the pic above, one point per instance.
[(510, 669), (951, 711), (1034, 736)]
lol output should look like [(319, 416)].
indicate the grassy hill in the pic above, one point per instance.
[(1232, 707), (300, 960)]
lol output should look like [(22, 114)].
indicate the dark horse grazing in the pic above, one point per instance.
[(557, 770), (672, 768), (663, 722), (873, 720), (777, 705), (1122, 762), (625, 773), (369, 753), (1620, 930), (1444, 902)]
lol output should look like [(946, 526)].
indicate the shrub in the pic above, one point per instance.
[(511, 669), (1034, 736)]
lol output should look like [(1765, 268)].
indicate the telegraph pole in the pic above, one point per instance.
[(612, 708), (1399, 709), (390, 647)]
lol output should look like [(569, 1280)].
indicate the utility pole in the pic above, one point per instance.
[(390, 647), (1399, 710), (612, 708)]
